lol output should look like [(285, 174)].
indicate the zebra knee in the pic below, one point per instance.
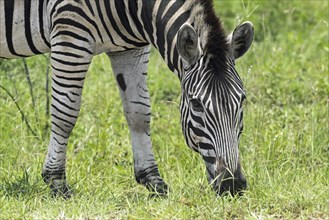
[(139, 122)]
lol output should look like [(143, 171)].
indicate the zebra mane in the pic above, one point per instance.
[(214, 35)]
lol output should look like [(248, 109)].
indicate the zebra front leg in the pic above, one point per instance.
[(130, 69), (67, 83)]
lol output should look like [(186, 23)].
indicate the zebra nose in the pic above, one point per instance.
[(241, 184), (234, 186)]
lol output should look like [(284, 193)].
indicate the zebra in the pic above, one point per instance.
[(192, 41)]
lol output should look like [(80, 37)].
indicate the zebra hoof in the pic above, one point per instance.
[(63, 191), (153, 182), (158, 188), (58, 185)]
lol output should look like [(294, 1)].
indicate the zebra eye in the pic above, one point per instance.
[(196, 105)]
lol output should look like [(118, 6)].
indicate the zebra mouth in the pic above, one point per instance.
[(231, 183), (234, 186)]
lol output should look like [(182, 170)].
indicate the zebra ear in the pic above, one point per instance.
[(187, 44), (241, 38)]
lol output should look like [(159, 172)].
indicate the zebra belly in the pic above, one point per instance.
[(23, 31), (21, 47)]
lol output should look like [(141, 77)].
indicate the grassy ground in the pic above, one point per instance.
[(284, 148)]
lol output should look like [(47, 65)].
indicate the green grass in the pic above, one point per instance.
[(284, 148)]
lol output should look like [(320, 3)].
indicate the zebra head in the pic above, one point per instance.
[(211, 103)]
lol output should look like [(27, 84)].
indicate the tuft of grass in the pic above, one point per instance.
[(284, 148)]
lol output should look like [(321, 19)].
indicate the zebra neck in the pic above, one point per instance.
[(161, 21)]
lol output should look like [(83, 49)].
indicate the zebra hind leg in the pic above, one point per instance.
[(130, 68)]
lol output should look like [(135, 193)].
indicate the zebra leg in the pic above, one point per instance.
[(68, 74), (130, 68)]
